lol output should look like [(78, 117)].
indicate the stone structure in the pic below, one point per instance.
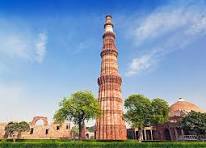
[(171, 130), (2, 127), (182, 107), (45, 131), (111, 125), (37, 118)]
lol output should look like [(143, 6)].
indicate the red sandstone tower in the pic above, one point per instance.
[(110, 126)]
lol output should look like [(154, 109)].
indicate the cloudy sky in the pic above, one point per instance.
[(49, 49)]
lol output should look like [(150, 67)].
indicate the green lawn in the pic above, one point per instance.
[(89, 144)]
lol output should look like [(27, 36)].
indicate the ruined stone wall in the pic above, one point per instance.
[(2, 127), (52, 131)]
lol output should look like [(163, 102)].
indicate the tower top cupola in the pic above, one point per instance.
[(108, 26)]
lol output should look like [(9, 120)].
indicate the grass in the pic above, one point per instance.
[(98, 144)]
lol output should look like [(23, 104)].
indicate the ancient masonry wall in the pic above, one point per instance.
[(45, 131)]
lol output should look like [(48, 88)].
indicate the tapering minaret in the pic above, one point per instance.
[(110, 125)]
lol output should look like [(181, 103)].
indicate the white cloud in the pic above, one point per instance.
[(41, 47), (199, 27), (169, 28), (19, 41), (13, 46), (172, 17), (139, 64)]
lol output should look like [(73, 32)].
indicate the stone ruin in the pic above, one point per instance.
[(44, 131)]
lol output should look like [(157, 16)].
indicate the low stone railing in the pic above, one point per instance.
[(192, 138), (202, 137)]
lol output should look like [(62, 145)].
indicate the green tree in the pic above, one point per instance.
[(22, 127), (195, 121), (79, 107), (160, 111), (14, 129), (141, 112), (138, 112)]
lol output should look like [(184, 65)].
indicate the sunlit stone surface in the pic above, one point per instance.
[(110, 126)]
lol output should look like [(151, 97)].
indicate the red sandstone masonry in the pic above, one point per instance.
[(110, 126)]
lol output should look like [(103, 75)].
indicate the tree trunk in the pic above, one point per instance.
[(83, 130), (14, 138), (140, 135), (80, 129)]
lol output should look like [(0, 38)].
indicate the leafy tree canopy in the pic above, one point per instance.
[(14, 129), (160, 111), (78, 107), (138, 110), (141, 111), (195, 121)]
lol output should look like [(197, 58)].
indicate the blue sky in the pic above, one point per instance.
[(49, 49)]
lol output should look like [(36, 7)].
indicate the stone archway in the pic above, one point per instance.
[(37, 118)]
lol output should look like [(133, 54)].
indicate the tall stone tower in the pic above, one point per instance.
[(110, 125)]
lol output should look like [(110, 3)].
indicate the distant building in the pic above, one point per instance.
[(171, 130), (45, 131), (90, 132)]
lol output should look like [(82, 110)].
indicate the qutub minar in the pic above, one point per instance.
[(110, 125)]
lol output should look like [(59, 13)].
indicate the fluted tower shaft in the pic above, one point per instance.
[(110, 125)]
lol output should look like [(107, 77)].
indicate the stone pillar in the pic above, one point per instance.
[(182, 132), (171, 136), (135, 135), (151, 134), (176, 134), (145, 135), (110, 125)]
